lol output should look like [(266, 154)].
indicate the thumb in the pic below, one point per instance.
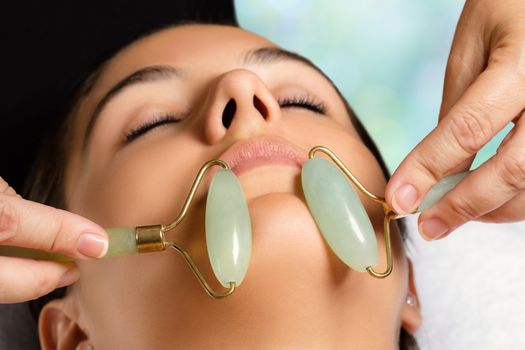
[(485, 108)]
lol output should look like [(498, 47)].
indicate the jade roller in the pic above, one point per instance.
[(341, 217), (228, 233), (333, 203)]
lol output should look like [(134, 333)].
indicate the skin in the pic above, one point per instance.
[(296, 293), (483, 92)]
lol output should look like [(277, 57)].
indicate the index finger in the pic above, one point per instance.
[(489, 104), (28, 224)]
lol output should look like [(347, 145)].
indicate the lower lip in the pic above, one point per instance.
[(264, 161)]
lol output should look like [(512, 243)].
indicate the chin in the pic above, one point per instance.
[(288, 248)]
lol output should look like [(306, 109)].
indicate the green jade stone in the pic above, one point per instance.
[(339, 214), (29, 253), (121, 241), (441, 188), (228, 228)]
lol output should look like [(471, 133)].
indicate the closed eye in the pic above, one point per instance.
[(150, 125), (303, 102)]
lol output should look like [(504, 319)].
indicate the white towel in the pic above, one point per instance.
[(471, 287)]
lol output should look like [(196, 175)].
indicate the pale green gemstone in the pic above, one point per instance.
[(121, 241), (440, 189), (339, 214), (29, 253), (228, 228)]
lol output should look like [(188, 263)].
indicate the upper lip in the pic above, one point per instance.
[(260, 148)]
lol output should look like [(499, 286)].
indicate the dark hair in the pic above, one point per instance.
[(45, 181)]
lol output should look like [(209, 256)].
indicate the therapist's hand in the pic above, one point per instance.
[(484, 91), (28, 224)]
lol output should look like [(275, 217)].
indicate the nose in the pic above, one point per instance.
[(240, 105)]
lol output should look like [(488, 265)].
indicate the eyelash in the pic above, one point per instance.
[(290, 102), (149, 125), (303, 102)]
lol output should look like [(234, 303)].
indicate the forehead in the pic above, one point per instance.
[(187, 45)]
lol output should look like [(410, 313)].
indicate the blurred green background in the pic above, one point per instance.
[(387, 57)]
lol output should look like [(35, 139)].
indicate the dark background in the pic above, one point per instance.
[(49, 47)]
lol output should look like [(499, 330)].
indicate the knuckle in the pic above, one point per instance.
[(8, 221), (512, 165), (5, 188), (457, 64), (427, 167), (454, 63), (463, 210), (54, 242), (471, 130)]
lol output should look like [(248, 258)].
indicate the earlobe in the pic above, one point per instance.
[(411, 314), (58, 328)]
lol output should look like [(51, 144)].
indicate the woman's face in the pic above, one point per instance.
[(137, 148)]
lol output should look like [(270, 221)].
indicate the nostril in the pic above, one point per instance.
[(259, 105), (228, 113)]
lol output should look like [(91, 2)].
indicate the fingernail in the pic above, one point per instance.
[(69, 277), (92, 245), (433, 229), (404, 199)]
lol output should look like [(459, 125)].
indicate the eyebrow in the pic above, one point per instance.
[(144, 75), (264, 55)]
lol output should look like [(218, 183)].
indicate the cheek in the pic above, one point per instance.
[(139, 185)]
